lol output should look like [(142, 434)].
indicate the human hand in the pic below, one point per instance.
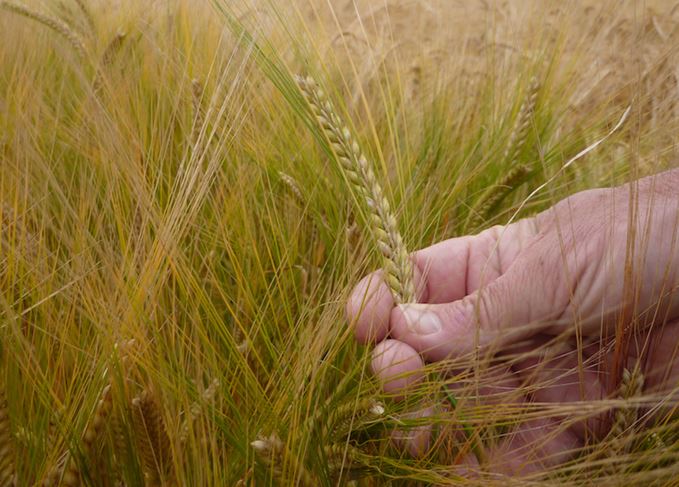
[(583, 277)]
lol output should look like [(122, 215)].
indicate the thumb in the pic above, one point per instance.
[(514, 306)]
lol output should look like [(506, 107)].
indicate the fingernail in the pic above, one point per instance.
[(420, 319)]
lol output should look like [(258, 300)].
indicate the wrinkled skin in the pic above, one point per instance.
[(596, 261)]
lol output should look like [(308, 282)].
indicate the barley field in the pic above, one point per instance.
[(189, 190)]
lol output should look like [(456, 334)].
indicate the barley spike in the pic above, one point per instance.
[(357, 170), (55, 24)]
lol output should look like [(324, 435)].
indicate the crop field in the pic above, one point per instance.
[(190, 189)]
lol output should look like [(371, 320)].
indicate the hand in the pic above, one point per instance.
[(596, 278)]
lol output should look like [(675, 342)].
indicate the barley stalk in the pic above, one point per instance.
[(55, 24)]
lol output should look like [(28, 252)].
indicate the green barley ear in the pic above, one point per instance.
[(493, 196), (196, 410), (272, 452), (381, 221), (341, 421), (57, 25), (107, 59), (625, 418), (346, 462), (357, 170)]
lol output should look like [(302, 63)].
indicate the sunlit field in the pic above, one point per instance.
[(179, 234)]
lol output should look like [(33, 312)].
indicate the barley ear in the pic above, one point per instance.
[(341, 421), (272, 452), (87, 14), (72, 476), (358, 172), (495, 194), (346, 462), (292, 187), (197, 91), (151, 437), (113, 48), (625, 418), (196, 409), (519, 133), (57, 25)]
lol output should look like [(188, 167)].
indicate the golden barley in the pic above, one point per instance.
[(151, 437), (113, 48), (519, 133)]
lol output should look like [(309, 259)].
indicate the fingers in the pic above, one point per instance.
[(370, 304), (535, 446), (444, 272), (397, 366), (368, 308), (662, 371), (514, 306), (459, 266), (416, 440)]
